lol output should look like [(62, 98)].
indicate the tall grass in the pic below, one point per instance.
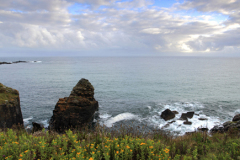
[(125, 143)]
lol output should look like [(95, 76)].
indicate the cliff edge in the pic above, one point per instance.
[(10, 110)]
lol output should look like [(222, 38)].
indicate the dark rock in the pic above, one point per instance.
[(76, 110), (217, 129), (36, 127), (5, 63), (203, 129), (19, 62), (196, 114), (10, 110), (171, 122), (187, 115), (175, 112), (167, 125), (187, 122), (236, 118), (167, 115), (202, 119)]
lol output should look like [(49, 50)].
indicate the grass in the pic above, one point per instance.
[(126, 143), (7, 94)]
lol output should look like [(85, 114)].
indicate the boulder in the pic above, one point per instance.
[(36, 127), (187, 115), (10, 110), (236, 118), (76, 110), (167, 115)]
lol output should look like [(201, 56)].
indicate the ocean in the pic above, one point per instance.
[(131, 90)]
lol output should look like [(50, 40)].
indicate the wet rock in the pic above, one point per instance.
[(187, 115), (202, 119), (203, 129), (187, 123), (36, 127), (236, 117), (217, 129), (175, 112), (167, 115), (76, 110), (10, 110)]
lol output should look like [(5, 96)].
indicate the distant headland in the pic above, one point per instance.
[(17, 62)]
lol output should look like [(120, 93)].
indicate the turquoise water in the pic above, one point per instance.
[(131, 89)]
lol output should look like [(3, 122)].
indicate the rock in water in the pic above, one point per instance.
[(167, 115), (236, 118), (76, 110), (10, 110)]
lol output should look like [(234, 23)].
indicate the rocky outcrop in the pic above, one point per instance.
[(76, 110), (167, 115), (36, 127), (10, 111), (187, 115), (236, 118), (15, 62), (234, 124)]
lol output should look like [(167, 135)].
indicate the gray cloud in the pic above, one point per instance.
[(126, 26)]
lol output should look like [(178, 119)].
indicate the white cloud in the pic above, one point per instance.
[(127, 26)]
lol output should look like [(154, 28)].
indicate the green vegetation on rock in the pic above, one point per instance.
[(7, 94)]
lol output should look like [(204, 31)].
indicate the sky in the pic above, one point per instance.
[(119, 28)]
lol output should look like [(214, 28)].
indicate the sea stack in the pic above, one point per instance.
[(10, 110), (76, 110)]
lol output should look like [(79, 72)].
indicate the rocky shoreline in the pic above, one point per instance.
[(15, 62), (78, 110), (186, 117)]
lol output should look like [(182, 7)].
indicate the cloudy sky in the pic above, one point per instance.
[(119, 27)]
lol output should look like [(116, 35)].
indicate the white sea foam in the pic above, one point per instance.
[(104, 116), (120, 117), (35, 61), (45, 123), (237, 112), (178, 125), (26, 120)]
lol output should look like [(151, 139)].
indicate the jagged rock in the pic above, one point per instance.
[(167, 115), (10, 110), (76, 110), (187, 115), (236, 118), (218, 129), (36, 127)]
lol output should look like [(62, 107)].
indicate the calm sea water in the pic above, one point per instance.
[(131, 89)]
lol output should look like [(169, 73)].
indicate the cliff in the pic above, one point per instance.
[(10, 111)]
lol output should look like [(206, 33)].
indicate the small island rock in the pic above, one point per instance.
[(167, 115)]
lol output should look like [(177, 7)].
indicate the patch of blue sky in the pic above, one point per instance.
[(166, 3), (18, 11), (77, 8)]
